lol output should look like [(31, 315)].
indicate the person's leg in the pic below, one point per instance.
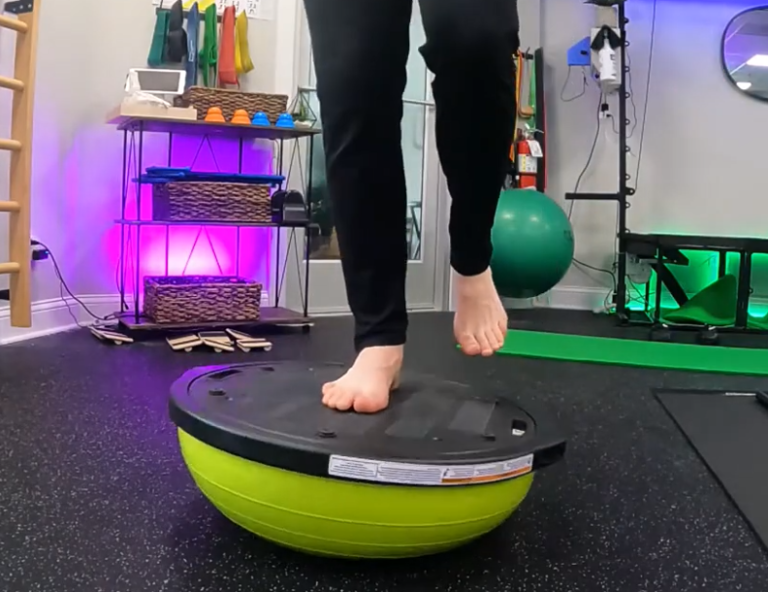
[(470, 48), (360, 51)]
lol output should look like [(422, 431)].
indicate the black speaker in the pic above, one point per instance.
[(289, 207)]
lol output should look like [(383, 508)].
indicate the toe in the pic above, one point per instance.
[(364, 405), (485, 345), (469, 345), (343, 400), (503, 330), (372, 403), (328, 389), (494, 340), (498, 338)]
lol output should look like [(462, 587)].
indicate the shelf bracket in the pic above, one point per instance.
[(19, 6), (593, 196)]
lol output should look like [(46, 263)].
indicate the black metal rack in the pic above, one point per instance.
[(130, 316), (660, 250), (624, 190)]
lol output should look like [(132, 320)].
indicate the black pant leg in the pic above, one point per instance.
[(360, 51), (470, 48)]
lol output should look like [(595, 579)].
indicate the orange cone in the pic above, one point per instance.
[(241, 117), (215, 115)]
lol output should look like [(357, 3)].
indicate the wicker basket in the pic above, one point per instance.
[(229, 100), (201, 299), (186, 201)]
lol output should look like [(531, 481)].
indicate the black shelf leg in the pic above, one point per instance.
[(279, 231), (137, 278), (659, 287), (744, 289), (308, 229), (123, 200), (237, 231)]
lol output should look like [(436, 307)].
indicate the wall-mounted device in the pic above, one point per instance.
[(155, 82), (605, 42)]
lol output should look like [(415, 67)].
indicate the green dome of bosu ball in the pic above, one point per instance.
[(532, 244), (439, 468)]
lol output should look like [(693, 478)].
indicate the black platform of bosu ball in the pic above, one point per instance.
[(440, 467)]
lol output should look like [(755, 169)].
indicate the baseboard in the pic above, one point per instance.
[(343, 311), (53, 316), (593, 298), (62, 314), (57, 314)]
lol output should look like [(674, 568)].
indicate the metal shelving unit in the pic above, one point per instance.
[(131, 223)]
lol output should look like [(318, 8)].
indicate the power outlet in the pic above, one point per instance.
[(39, 252)]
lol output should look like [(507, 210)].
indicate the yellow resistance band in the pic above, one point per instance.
[(243, 63)]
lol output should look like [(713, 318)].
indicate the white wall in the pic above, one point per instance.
[(702, 169), (690, 180), (85, 48)]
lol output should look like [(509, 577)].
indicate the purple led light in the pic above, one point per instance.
[(197, 250)]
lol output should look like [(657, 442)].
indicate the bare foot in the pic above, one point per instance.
[(367, 384), (480, 323)]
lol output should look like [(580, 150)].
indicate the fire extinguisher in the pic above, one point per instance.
[(527, 162)]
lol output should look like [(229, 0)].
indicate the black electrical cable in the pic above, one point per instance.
[(583, 172), (582, 91), (590, 157), (647, 93), (65, 287), (631, 95)]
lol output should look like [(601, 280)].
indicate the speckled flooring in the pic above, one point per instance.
[(94, 496)]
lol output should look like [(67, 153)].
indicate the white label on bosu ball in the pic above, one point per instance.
[(364, 469)]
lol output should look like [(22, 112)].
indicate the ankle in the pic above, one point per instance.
[(470, 286), (374, 349), (460, 277), (382, 353)]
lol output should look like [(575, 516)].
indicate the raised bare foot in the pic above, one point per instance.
[(480, 323), (367, 384)]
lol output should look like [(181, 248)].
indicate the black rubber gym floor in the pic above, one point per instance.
[(94, 496)]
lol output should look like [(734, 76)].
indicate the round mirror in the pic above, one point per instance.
[(745, 52)]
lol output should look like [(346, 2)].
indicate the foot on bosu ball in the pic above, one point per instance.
[(532, 244), (440, 467)]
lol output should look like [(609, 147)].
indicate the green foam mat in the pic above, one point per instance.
[(715, 305), (632, 352), (758, 323)]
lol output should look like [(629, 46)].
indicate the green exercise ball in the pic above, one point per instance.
[(532, 244)]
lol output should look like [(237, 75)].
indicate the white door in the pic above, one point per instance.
[(427, 199)]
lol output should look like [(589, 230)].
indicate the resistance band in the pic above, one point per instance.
[(157, 46), (193, 37), (227, 71), (243, 63), (176, 38), (532, 92), (518, 82), (524, 109), (209, 53)]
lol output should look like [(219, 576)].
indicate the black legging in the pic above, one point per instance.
[(360, 50)]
